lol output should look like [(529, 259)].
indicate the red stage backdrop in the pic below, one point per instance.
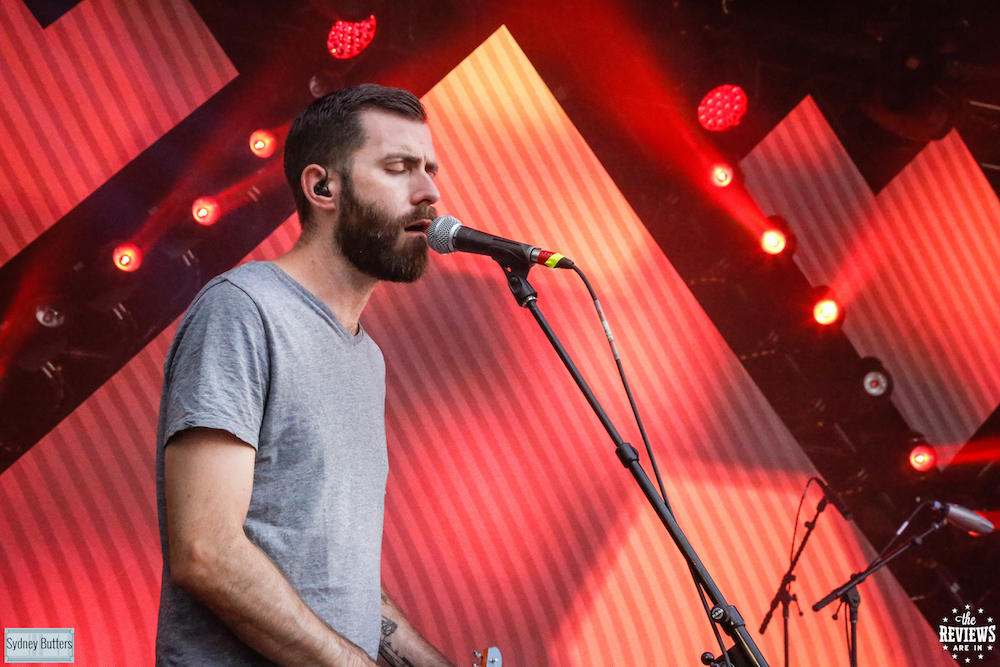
[(509, 519), (84, 96), (915, 264)]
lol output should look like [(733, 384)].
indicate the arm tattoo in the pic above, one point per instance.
[(385, 649), (388, 627)]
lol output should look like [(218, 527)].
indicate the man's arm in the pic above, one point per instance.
[(208, 478), (402, 645)]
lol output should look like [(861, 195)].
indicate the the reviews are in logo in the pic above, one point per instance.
[(968, 634)]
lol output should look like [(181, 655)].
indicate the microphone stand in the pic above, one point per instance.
[(848, 593), (784, 596), (516, 268)]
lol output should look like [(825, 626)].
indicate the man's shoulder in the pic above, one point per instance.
[(247, 283), (251, 277)]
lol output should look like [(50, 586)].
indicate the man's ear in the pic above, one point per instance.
[(321, 188)]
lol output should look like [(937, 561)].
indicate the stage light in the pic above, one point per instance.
[(263, 143), (826, 311), (876, 383), (49, 316), (722, 108), (778, 238), (875, 379), (205, 211), (773, 241), (722, 175), (923, 458), (347, 39), (127, 257)]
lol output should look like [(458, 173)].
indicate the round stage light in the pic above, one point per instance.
[(49, 316), (876, 383), (205, 211), (875, 379), (722, 108), (347, 39), (263, 143), (722, 175), (127, 257), (773, 241), (826, 311), (923, 458)]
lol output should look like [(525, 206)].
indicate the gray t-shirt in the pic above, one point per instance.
[(261, 357)]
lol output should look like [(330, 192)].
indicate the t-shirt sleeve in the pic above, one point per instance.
[(216, 373)]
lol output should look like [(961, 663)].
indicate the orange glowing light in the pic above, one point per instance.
[(826, 311), (127, 257), (923, 458), (722, 175), (205, 211), (773, 241), (263, 143)]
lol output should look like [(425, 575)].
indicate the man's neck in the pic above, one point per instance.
[(322, 270)]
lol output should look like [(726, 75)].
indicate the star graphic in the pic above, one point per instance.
[(989, 620), (968, 606), (954, 611), (990, 647), (967, 660), (980, 656), (954, 655), (980, 610), (944, 620)]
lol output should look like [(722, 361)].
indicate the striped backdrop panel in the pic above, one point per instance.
[(915, 265), (509, 521), (83, 97)]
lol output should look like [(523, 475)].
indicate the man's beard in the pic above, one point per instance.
[(375, 243)]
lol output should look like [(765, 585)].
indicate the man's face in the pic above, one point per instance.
[(386, 201)]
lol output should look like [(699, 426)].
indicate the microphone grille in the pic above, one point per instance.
[(439, 234)]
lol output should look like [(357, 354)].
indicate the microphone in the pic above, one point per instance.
[(835, 500), (964, 518), (446, 235)]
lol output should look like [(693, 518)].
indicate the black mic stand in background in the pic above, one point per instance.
[(784, 596), (848, 593), (516, 268)]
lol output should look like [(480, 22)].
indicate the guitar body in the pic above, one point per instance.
[(488, 658)]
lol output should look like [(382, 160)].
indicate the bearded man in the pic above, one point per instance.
[(271, 450)]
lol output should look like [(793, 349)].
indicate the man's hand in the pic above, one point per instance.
[(208, 479), (402, 645)]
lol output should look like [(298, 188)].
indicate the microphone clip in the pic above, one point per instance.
[(516, 269)]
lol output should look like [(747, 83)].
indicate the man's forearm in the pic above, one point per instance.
[(244, 588), (402, 645)]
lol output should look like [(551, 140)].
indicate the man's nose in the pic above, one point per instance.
[(425, 190)]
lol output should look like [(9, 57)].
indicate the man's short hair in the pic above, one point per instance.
[(329, 131)]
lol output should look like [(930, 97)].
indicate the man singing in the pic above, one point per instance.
[(271, 450)]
